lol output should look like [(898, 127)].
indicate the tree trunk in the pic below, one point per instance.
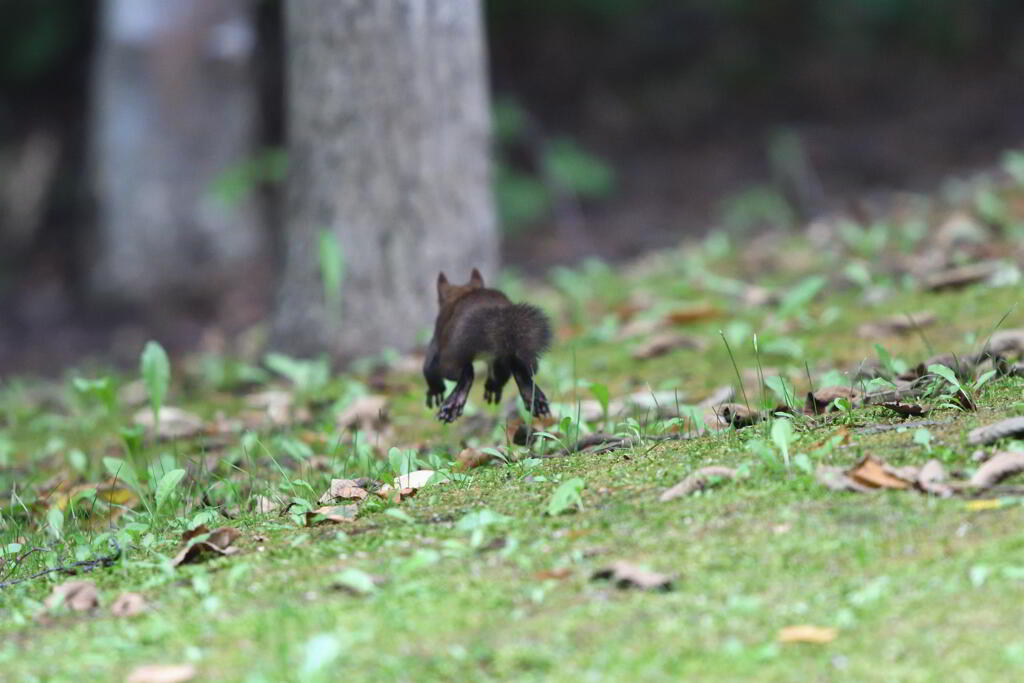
[(174, 110), (388, 128)]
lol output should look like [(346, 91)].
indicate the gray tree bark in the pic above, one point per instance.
[(388, 127), (174, 108)]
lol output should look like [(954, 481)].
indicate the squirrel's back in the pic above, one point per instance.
[(485, 322)]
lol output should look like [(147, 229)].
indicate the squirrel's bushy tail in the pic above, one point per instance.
[(516, 330)]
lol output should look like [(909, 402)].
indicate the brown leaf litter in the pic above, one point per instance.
[(366, 413), (332, 514), (997, 468), (200, 543), (870, 473), (666, 342), (962, 276), (343, 489), (1004, 429), (900, 324), (736, 414), (692, 314), (273, 408), (821, 400), (128, 605), (78, 596), (175, 423), (469, 458)]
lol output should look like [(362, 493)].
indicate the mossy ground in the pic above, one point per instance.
[(919, 588)]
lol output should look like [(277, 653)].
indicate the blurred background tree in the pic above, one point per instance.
[(620, 125), (388, 123), (175, 103)]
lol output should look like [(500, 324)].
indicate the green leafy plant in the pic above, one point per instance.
[(600, 392), (801, 294), (568, 496), (963, 395), (155, 368), (167, 486), (782, 388), (782, 437), (306, 375), (758, 206), (332, 271), (102, 391), (574, 169), (236, 183), (924, 438), (844, 407)]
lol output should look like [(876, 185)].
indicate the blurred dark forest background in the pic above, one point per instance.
[(619, 126)]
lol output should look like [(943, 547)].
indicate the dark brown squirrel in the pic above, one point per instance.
[(477, 321)]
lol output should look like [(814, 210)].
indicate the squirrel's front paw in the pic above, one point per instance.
[(434, 398), (492, 395)]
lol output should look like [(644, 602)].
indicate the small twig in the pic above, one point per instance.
[(878, 428), (86, 565), (610, 442)]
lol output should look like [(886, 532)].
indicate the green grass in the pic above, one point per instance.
[(920, 589)]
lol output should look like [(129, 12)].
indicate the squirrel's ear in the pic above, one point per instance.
[(442, 285), (476, 279)]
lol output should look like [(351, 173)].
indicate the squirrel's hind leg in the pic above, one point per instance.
[(498, 374), (452, 407), (531, 394)]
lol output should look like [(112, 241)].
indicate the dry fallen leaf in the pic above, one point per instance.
[(692, 314), (666, 342), (264, 505), (821, 400), (703, 478), (717, 397), (469, 458), (874, 474), (640, 327), (78, 596), (108, 491), (162, 673), (518, 431), (557, 573), (962, 276), (366, 413), (627, 575), (1003, 429), (343, 489), (275, 408), (200, 542), (932, 479), (395, 495), (416, 480), (900, 324), (332, 514), (175, 423), (806, 633), (1005, 343), (835, 479), (128, 605), (736, 414), (997, 468)]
